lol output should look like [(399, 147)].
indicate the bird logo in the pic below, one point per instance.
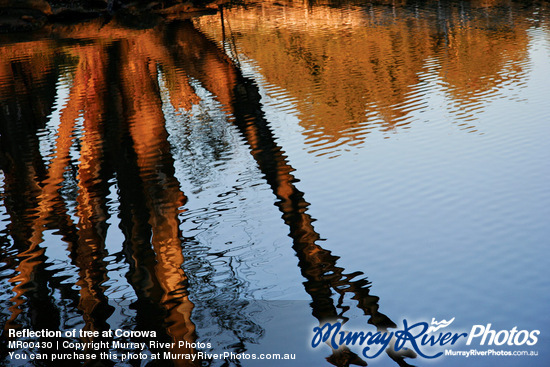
[(439, 325)]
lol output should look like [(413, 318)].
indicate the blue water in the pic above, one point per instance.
[(420, 165)]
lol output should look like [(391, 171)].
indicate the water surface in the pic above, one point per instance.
[(239, 177)]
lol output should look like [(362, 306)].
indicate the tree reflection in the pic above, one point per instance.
[(111, 140), (350, 69)]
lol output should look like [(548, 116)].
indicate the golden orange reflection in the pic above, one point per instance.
[(356, 65), (90, 250), (82, 127), (163, 197)]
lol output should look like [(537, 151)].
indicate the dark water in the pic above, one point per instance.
[(238, 182)]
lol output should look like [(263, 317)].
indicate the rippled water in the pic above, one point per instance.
[(238, 177)]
